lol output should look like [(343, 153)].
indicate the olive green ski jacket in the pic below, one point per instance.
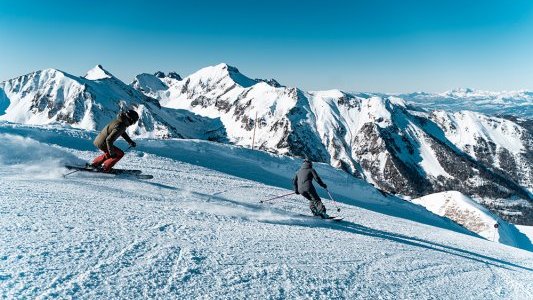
[(116, 128)]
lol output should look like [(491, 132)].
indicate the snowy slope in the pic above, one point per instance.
[(90, 102), (195, 232), (514, 103), (474, 217), (527, 231), (276, 170)]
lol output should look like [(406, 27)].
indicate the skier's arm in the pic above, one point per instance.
[(295, 183), (127, 138), (318, 179)]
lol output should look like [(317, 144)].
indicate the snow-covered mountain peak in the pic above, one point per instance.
[(174, 75), (397, 101), (378, 109), (162, 75), (51, 96), (272, 82), (98, 73), (39, 77), (459, 92), (222, 72), (148, 83), (48, 75), (333, 93), (31, 98), (467, 128), (50, 72)]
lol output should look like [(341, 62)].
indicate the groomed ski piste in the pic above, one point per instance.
[(197, 230)]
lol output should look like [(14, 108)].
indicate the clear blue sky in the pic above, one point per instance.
[(373, 45)]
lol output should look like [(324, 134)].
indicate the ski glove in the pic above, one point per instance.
[(324, 186), (133, 144)]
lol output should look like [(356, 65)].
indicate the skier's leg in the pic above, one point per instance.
[(317, 203), (98, 161), (312, 206), (109, 163)]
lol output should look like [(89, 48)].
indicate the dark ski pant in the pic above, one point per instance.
[(315, 203), (107, 160)]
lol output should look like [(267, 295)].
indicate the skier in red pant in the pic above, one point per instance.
[(104, 141)]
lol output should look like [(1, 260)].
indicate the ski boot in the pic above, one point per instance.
[(93, 167), (324, 215)]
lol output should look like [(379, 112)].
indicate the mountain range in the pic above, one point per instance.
[(401, 144), (505, 103)]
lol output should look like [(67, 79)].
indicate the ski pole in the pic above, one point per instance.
[(263, 201), (334, 202), (70, 173)]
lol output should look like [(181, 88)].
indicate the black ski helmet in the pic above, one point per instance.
[(132, 115)]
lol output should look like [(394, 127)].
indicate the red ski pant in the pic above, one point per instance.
[(107, 160)]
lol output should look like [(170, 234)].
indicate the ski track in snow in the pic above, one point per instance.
[(193, 232)]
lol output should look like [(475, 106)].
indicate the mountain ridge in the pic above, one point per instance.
[(51, 95)]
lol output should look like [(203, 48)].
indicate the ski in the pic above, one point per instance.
[(331, 218), (141, 176), (125, 171), (334, 219), (116, 172)]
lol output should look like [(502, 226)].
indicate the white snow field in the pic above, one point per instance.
[(197, 230)]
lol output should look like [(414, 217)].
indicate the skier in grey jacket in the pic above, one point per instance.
[(303, 185)]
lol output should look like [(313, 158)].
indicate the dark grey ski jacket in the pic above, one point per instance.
[(303, 181)]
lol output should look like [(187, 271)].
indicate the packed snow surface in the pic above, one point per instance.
[(197, 230)]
